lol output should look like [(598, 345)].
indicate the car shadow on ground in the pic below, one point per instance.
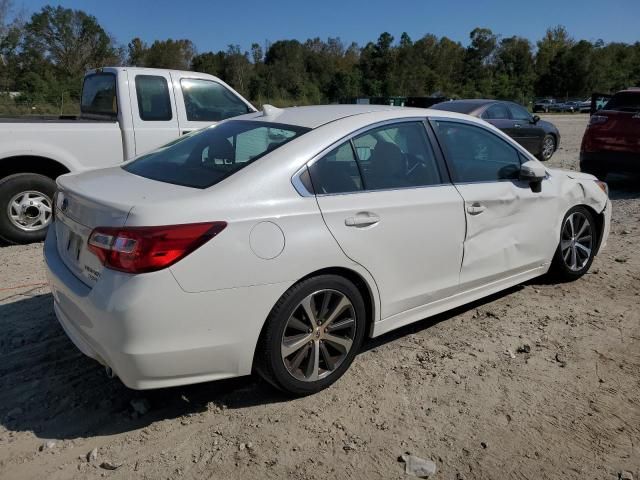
[(49, 388), (623, 187)]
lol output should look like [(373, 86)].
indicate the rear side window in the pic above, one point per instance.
[(396, 156), (204, 158), (154, 103), (389, 157), (496, 112), (475, 154), (336, 172), (206, 100), (624, 102), (99, 95)]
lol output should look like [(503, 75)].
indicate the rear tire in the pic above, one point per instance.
[(577, 247), (26, 207), (302, 353)]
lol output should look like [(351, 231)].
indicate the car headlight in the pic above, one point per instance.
[(603, 186)]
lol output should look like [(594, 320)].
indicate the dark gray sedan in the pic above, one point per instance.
[(539, 137)]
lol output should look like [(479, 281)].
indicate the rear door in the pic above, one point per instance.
[(204, 101), (385, 197), (155, 121), (510, 229)]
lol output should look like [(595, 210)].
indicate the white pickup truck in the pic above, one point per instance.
[(125, 112)]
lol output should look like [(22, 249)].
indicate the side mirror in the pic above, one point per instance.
[(534, 173), (535, 119)]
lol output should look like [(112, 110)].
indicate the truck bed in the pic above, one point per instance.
[(52, 119)]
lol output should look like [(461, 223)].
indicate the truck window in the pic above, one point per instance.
[(624, 102), (99, 95), (208, 101), (154, 103)]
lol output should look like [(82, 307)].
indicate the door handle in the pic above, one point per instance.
[(517, 125), (185, 132), (475, 209), (362, 220)]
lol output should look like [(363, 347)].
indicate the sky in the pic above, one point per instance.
[(212, 25)]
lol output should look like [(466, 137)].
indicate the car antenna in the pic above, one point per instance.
[(271, 111)]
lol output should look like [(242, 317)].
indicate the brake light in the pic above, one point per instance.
[(597, 119), (147, 249)]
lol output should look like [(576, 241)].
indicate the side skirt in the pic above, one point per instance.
[(439, 306)]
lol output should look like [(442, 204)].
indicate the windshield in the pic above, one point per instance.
[(624, 102), (206, 157)]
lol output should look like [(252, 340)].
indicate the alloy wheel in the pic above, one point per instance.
[(30, 210), (548, 147), (318, 335), (576, 244)]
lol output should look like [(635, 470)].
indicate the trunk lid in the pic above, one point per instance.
[(99, 198)]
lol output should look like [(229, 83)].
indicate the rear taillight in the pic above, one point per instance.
[(597, 119), (147, 249)]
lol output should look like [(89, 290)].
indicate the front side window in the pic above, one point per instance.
[(154, 103), (208, 101), (99, 95), (496, 111), (476, 154), (202, 159), (519, 113)]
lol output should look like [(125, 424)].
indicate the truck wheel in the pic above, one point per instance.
[(26, 207)]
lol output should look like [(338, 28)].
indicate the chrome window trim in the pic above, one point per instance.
[(300, 188)]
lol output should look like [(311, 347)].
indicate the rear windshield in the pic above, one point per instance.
[(624, 102), (459, 107), (204, 158), (99, 95)]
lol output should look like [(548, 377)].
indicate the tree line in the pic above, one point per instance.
[(44, 58)]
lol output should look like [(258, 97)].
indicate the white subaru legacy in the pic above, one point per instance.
[(277, 241)]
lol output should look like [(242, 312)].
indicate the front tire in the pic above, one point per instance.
[(26, 207), (311, 335), (577, 247), (548, 148)]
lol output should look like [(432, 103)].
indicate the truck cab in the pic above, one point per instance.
[(125, 112)]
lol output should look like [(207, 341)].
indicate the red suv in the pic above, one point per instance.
[(611, 142)]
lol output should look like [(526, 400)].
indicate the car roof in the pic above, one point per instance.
[(316, 116)]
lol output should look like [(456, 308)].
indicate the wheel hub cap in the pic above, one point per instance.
[(30, 211), (318, 335)]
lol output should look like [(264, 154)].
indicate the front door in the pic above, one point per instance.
[(385, 199), (510, 228), (524, 130)]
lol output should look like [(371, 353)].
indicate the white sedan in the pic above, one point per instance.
[(277, 241)]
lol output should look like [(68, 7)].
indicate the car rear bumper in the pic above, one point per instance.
[(625, 162), (153, 334)]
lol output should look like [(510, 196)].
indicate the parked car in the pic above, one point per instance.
[(543, 105), (585, 106), (565, 107), (611, 142), (541, 138), (125, 112), (277, 241)]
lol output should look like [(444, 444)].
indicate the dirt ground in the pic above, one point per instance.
[(460, 389)]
